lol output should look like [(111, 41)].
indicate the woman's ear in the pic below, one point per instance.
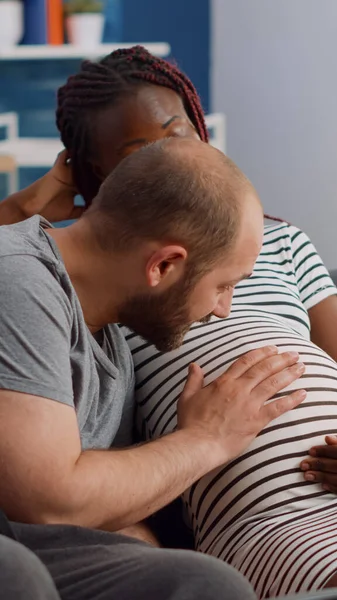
[(166, 266)]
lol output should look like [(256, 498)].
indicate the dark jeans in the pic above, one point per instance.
[(94, 565), (22, 575)]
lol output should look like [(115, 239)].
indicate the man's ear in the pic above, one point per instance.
[(166, 266)]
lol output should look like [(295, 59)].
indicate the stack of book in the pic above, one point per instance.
[(43, 22)]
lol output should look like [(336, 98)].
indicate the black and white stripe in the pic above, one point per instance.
[(257, 512)]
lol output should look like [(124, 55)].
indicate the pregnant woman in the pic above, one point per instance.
[(258, 513)]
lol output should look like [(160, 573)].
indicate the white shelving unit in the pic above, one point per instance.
[(70, 51)]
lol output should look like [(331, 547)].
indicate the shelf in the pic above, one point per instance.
[(70, 51), (32, 152)]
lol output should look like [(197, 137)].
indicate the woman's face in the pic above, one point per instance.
[(151, 113)]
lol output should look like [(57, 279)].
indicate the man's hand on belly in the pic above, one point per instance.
[(321, 465), (48, 478)]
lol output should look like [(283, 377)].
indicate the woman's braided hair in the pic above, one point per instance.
[(101, 84)]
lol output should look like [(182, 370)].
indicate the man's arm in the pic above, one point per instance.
[(46, 478)]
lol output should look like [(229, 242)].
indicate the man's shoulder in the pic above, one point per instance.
[(25, 239), (26, 253), (30, 271)]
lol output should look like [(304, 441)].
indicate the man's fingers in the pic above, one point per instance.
[(276, 408), (272, 385), (194, 382), (326, 465), (273, 368), (246, 362)]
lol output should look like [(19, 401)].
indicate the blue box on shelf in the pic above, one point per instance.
[(113, 30), (35, 22)]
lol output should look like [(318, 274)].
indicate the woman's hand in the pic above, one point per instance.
[(52, 196), (321, 466), (55, 193)]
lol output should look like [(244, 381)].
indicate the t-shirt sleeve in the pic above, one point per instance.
[(313, 280), (35, 330)]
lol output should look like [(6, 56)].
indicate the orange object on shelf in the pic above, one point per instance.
[(55, 22)]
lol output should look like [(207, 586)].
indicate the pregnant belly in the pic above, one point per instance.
[(265, 479)]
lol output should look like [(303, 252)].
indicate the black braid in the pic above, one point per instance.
[(101, 84)]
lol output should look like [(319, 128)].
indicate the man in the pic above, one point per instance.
[(173, 229)]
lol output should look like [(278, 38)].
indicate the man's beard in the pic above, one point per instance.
[(162, 320)]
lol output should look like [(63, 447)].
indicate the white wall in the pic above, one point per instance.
[(275, 77)]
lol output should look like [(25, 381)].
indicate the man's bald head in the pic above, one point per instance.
[(177, 191), (206, 160)]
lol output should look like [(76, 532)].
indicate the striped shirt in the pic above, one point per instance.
[(257, 512)]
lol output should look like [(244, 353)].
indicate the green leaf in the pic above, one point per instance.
[(73, 7)]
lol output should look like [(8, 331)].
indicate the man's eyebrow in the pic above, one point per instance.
[(165, 125), (242, 278)]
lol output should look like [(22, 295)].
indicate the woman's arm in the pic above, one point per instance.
[(11, 209), (52, 196), (318, 295), (321, 464), (323, 320), (316, 290)]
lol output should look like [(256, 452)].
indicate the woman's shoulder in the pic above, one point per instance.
[(282, 235)]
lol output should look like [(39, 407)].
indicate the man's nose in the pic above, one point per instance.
[(224, 305)]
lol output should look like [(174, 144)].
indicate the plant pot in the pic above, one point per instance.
[(85, 29), (11, 23)]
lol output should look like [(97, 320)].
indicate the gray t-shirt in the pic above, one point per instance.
[(46, 348)]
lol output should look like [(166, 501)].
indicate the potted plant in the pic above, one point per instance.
[(11, 23), (84, 22)]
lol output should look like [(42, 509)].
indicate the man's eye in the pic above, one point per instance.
[(224, 288)]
